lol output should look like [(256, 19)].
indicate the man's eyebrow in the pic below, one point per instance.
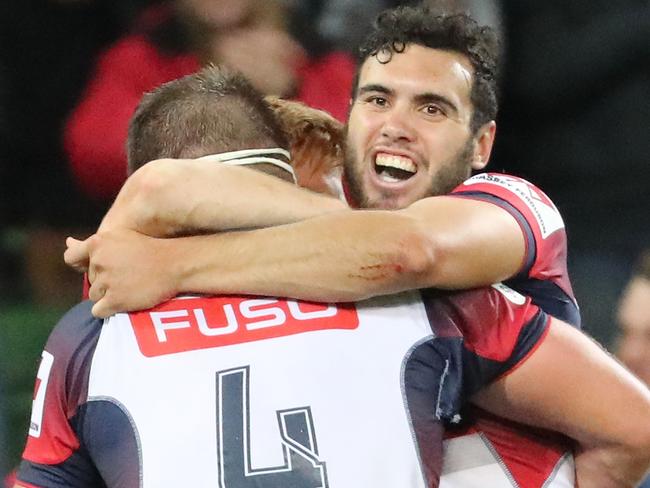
[(375, 88), (420, 99), (436, 98)]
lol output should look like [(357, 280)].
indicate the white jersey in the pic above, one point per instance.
[(239, 392)]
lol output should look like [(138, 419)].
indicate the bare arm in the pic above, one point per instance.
[(438, 242), (571, 385), (168, 197), (344, 256)]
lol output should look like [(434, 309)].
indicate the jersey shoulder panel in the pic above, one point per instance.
[(540, 221), (538, 209), (499, 327), (61, 387)]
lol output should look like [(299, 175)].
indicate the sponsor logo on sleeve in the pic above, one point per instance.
[(201, 323), (541, 207)]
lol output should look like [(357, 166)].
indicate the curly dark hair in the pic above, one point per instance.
[(396, 28)]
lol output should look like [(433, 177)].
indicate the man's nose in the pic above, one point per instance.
[(398, 125)]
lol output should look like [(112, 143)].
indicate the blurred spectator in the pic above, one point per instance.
[(633, 317), (176, 39), (574, 120)]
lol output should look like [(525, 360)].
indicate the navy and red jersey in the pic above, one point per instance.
[(529, 458), (543, 275), (241, 392)]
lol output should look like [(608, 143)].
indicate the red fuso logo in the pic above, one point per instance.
[(185, 324)]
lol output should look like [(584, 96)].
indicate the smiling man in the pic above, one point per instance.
[(416, 115), (421, 119)]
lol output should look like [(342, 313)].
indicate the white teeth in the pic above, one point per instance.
[(388, 178), (399, 162)]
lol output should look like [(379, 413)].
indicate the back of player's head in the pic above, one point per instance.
[(212, 111), (396, 28)]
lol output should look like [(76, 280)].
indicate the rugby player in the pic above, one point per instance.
[(422, 118), (188, 393)]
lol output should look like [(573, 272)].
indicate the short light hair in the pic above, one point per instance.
[(212, 111)]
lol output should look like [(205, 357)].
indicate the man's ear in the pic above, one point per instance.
[(483, 142)]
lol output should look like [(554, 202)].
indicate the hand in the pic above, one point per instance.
[(128, 271), (268, 58), (76, 254), (316, 143)]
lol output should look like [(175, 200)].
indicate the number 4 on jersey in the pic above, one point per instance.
[(302, 467)]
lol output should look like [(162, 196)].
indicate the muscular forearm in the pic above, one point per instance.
[(353, 255), (347, 255), (571, 385), (320, 261), (170, 197)]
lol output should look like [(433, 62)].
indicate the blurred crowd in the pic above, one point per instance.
[(574, 119)]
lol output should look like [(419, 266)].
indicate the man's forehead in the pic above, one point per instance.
[(421, 67)]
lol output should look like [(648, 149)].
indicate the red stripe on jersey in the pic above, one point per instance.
[(531, 455), (85, 292), (490, 319), (51, 439)]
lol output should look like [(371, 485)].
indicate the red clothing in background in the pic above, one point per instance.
[(95, 134)]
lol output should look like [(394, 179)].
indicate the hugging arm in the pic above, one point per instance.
[(169, 197), (344, 256), (571, 385)]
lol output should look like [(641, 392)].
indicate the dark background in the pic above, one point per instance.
[(574, 119)]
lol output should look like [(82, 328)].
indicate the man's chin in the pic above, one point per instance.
[(392, 202)]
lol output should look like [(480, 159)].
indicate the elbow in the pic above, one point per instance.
[(634, 448), (637, 444), (419, 257), (637, 437), (152, 178), (145, 190)]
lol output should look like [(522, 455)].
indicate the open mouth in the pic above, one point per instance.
[(391, 168)]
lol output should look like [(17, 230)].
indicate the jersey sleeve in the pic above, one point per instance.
[(498, 327), (539, 219), (54, 455)]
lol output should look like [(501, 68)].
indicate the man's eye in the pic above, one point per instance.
[(378, 101), (432, 110)]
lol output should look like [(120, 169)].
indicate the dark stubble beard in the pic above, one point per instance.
[(451, 174)]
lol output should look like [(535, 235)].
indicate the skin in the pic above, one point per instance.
[(579, 387), (433, 241), (634, 323), (415, 106)]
